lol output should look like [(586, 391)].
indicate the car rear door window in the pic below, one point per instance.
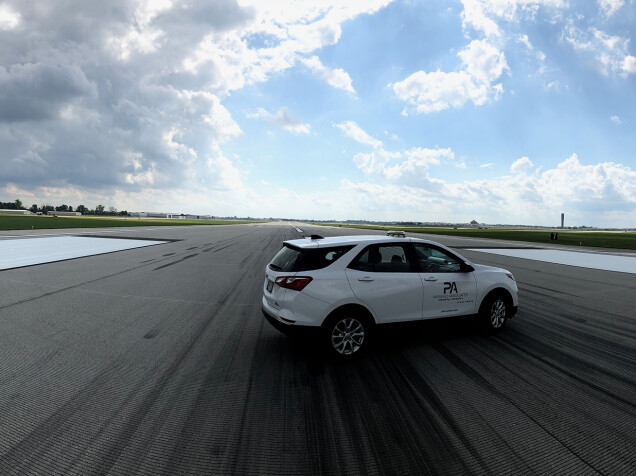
[(384, 258)]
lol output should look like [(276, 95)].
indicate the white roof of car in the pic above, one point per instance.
[(346, 240)]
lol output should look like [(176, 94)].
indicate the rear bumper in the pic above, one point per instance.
[(289, 328)]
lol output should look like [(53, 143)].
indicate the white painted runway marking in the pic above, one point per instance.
[(606, 262), (88, 233), (18, 253)]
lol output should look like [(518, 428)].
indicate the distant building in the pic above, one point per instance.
[(64, 214), (187, 216), (180, 216), (149, 214), (10, 211)]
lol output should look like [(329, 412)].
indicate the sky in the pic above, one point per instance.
[(500, 111)]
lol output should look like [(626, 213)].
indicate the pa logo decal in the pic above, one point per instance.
[(450, 287)]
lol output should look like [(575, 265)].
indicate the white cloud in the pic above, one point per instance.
[(487, 166), (616, 120), (408, 166), (482, 65), (589, 185), (225, 175), (538, 55), (610, 53), (484, 15), (284, 118), (337, 78), (355, 132), (521, 165), (403, 166), (131, 97), (9, 18), (292, 29), (603, 194), (609, 7)]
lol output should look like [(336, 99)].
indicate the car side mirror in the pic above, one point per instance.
[(466, 268)]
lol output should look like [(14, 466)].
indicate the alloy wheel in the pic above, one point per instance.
[(497, 313), (347, 336)]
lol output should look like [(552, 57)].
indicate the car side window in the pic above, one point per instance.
[(435, 260), (380, 258)]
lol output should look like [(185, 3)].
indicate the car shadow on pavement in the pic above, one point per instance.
[(387, 340)]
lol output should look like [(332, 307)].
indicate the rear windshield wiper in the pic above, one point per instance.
[(275, 267)]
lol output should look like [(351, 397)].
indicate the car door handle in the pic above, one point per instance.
[(366, 278), (430, 278)]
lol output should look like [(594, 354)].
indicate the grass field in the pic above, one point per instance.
[(40, 222), (601, 239)]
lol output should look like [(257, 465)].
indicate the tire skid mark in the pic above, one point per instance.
[(571, 409), (551, 290), (618, 325), (176, 262), (74, 286), (553, 296), (466, 369), (110, 457), (191, 426), (28, 367), (339, 427), (421, 391), (563, 357), (540, 388), (190, 431), (480, 422), (104, 428), (583, 338), (223, 457), (52, 428), (224, 247)]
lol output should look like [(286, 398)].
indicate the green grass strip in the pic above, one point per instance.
[(45, 222), (600, 239)]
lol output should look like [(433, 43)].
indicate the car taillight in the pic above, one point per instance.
[(296, 283)]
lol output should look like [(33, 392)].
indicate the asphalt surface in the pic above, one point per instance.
[(158, 361)]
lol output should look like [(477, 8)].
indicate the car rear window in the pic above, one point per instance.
[(291, 258)]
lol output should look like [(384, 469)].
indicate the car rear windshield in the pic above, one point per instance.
[(291, 258)]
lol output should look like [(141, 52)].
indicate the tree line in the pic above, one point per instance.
[(44, 209)]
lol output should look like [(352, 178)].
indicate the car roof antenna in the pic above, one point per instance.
[(316, 237)]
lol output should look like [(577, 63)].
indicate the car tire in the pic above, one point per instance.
[(347, 333), (494, 312)]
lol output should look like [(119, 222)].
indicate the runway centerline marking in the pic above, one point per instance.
[(600, 261)]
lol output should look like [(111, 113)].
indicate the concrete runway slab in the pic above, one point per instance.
[(602, 261), (16, 253)]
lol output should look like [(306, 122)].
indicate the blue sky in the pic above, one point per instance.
[(503, 111)]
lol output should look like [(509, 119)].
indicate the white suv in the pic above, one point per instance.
[(341, 287)]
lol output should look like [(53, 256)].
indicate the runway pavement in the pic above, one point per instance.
[(157, 360)]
